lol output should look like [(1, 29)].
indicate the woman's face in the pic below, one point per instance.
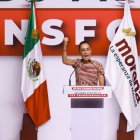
[(85, 51)]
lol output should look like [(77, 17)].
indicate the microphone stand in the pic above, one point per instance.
[(70, 78)]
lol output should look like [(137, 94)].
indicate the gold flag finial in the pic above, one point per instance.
[(127, 30), (35, 34)]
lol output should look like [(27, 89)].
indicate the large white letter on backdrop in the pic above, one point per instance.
[(47, 28), (11, 30), (81, 33)]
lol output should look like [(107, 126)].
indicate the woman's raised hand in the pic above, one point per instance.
[(66, 39)]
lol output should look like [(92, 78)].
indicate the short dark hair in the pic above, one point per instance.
[(81, 43)]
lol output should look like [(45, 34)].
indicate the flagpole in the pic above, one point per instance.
[(34, 3)]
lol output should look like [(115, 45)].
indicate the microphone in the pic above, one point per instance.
[(70, 77)]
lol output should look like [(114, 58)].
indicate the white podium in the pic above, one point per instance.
[(87, 110)]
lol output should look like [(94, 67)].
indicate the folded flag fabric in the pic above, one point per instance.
[(122, 70)]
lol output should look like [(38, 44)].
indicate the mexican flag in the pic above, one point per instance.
[(34, 86)]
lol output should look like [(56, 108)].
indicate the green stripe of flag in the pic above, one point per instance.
[(29, 41)]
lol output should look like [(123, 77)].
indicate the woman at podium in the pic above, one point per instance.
[(87, 72)]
